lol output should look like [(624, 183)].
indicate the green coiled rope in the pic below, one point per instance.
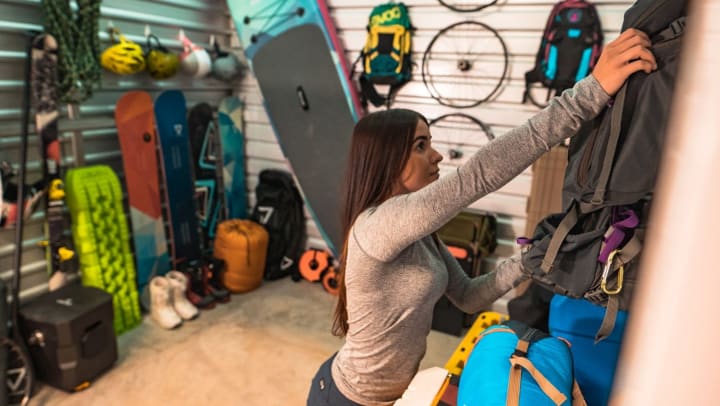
[(78, 47)]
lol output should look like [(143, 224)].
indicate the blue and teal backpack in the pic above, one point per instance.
[(569, 49)]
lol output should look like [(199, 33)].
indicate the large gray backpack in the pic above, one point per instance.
[(591, 250)]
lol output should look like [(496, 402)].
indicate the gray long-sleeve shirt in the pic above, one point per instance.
[(395, 273)]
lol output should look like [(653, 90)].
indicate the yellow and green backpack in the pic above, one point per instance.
[(386, 55)]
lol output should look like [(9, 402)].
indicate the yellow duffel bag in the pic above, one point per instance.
[(242, 244)]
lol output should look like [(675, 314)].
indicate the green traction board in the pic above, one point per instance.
[(102, 239)]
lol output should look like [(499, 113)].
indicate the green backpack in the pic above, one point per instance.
[(386, 55)]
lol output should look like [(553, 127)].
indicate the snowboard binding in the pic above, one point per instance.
[(214, 269), (198, 289)]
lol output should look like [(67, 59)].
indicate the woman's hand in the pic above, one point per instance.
[(510, 272), (627, 54)]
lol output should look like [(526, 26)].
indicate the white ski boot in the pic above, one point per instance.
[(161, 303), (183, 307)]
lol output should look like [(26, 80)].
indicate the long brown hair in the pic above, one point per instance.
[(380, 147)]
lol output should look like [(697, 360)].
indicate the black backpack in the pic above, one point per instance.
[(570, 46), (279, 208), (591, 250)]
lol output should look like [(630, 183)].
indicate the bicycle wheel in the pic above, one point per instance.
[(466, 6), (457, 129), (19, 377), (465, 64)]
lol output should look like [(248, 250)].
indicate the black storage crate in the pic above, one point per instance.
[(70, 335)]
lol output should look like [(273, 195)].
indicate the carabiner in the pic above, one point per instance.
[(606, 272)]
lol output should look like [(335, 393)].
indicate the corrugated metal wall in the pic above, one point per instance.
[(95, 126), (519, 22)]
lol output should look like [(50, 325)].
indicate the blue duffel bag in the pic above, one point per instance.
[(513, 364), (577, 320)]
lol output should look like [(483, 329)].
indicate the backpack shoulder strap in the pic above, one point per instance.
[(298, 229), (551, 18), (518, 363), (369, 93), (615, 129), (577, 397), (562, 231), (351, 74), (631, 249)]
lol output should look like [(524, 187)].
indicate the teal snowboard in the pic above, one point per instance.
[(232, 142)]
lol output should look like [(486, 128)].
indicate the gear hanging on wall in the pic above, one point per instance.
[(467, 6), (263, 22), (457, 129), (226, 66), (465, 64), (194, 60), (122, 58), (161, 63), (79, 68)]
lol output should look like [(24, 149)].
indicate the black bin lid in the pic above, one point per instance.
[(65, 304)]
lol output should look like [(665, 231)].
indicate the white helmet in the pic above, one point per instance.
[(194, 60)]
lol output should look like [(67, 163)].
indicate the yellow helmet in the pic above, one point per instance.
[(161, 63), (123, 58)]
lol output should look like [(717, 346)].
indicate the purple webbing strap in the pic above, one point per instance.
[(627, 220), (524, 240)]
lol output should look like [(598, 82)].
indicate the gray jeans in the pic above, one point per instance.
[(323, 391)]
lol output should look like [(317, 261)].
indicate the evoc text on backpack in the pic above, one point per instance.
[(386, 56), (591, 250), (279, 208), (570, 46)]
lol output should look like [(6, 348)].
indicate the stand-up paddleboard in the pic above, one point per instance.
[(300, 67)]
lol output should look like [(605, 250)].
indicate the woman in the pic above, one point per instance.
[(395, 268)]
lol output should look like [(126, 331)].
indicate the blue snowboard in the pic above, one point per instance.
[(170, 115)]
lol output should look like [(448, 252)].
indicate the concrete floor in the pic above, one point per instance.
[(262, 348)]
